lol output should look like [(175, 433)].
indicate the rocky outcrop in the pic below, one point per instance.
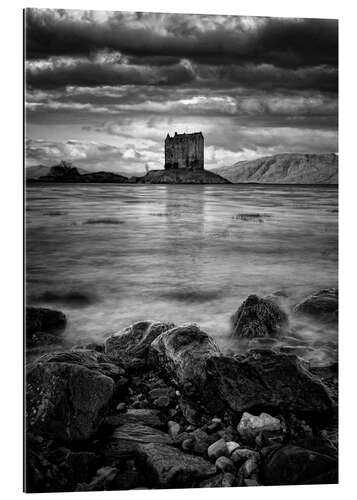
[(135, 340), (264, 379), (66, 401), (181, 354), (257, 317), (182, 176), (295, 465), (322, 305), (288, 168), (44, 326)]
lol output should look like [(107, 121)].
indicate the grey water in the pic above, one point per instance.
[(109, 255)]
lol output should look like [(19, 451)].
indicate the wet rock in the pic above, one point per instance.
[(257, 317), (136, 339), (146, 416), (266, 379), (295, 465), (181, 354), (224, 464), (240, 455), (250, 425), (228, 480), (322, 305), (126, 439), (43, 326), (92, 360), (218, 449), (168, 467), (66, 401)]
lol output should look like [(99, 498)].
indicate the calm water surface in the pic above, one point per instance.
[(110, 255)]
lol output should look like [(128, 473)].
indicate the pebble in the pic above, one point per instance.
[(218, 449), (121, 407), (224, 464), (251, 425), (232, 445), (249, 467), (174, 428)]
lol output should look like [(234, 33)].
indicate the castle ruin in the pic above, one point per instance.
[(184, 151)]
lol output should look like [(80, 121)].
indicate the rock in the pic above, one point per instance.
[(66, 401), (125, 440), (218, 449), (240, 455), (250, 425), (224, 464), (322, 305), (81, 466), (146, 416), (135, 340), (231, 446), (168, 467), (43, 326), (162, 402), (250, 466), (265, 379), (92, 360), (257, 317), (121, 407), (181, 354), (103, 480), (251, 482), (212, 482), (174, 428), (296, 465), (92, 346), (228, 480)]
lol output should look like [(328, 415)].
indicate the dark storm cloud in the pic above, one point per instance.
[(211, 39)]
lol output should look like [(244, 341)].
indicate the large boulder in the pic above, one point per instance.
[(265, 380), (66, 401), (135, 340), (322, 305), (257, 317), (168, 467), (93, 360), (295, 465), (43, 326), (181, 355)]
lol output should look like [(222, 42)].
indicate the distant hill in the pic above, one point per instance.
[(287, 168), (181, 176), (37, 171)]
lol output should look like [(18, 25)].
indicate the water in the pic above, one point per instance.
[(110, 255)]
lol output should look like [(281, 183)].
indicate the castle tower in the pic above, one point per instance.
[(184, 151)]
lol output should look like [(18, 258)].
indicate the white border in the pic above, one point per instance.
[(11, 241)]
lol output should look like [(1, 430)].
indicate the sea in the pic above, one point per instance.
[(109, 255)]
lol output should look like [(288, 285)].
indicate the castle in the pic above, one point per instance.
[(184, 151)]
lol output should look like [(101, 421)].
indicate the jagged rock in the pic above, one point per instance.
[(257, 317), (66, 401), (168, 467), (265, 379), (135, 340), (43, 326), (250, 425), (295, 465), (126, 439), (93, 360), (224, 464), (322, 305), (146, 416), (181, 354)]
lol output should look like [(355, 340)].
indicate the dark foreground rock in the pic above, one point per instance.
[(264, 379), (66, 401), (295, 465), (43, 326), (322, 305), (167, 467), (257, 317)]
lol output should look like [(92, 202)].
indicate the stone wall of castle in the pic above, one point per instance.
[(184, 151)]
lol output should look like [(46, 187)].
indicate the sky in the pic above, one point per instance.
[(103, 89)]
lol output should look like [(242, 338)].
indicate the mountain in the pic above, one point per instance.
[(37, 171), (287, 168), (181, 176)]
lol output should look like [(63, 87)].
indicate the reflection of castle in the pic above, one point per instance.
[(184, 151)]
